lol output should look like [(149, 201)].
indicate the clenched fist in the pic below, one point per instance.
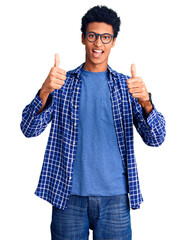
[(56, 77)]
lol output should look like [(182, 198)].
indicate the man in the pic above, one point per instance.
[(89, 165)]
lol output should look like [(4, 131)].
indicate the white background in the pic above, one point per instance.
[(153, 37)]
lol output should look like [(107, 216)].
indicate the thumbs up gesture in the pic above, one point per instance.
[(56, 77), (137, 87)]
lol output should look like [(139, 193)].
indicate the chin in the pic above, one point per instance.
[(98, 61)]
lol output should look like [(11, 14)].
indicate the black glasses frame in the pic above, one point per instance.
[(97, 35)]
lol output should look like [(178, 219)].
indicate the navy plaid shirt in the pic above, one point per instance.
[(61, 109)]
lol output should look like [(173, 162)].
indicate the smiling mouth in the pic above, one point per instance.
[(97, 53)]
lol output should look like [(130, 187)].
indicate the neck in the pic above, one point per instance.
[(95, 67)]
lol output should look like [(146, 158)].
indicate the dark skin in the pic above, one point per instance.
[(96, 60)]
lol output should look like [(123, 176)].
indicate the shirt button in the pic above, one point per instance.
[(75, 124)]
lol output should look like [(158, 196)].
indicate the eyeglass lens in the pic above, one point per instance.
[(106, 38)]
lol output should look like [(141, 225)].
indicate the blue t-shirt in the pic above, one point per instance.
[(98, 169)]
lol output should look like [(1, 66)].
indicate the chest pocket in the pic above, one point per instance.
[(106, 114)]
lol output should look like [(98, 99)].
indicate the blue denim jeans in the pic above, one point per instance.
[(108, 217)]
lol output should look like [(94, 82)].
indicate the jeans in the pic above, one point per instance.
[(108, 217)]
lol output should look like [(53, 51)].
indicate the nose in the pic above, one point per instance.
[(98, 42)]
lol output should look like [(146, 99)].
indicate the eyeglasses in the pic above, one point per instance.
[(105, 37)]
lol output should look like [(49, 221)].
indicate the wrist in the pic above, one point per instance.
[(147, 105), (43, 96), (43, 91)]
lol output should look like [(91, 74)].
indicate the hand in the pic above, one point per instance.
[(56, 78), (137, 87)]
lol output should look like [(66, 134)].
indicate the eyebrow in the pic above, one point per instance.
[(100, 33)]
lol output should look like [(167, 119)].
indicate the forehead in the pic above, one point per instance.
[(100, 27)]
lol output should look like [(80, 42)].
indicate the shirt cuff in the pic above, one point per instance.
[(152, 119), (36, 103)]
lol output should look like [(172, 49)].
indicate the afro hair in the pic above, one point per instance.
[(101, 14)]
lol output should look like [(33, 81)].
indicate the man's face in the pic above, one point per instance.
[(93, 57)]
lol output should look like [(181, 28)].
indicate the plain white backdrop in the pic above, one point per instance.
[(152, 36)]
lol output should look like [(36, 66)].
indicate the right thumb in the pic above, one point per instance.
[(57, 60)]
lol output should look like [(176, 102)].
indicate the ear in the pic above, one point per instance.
[(113, 43), (82, 39)]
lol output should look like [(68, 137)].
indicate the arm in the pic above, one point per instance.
[(37, 115), (43, 96), (149, 123), (150, 127), (33, 124)]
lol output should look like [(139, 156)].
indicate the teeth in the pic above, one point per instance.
[(97, 51)]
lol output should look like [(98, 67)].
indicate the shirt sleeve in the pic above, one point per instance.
[(152, 127), (34, 124)]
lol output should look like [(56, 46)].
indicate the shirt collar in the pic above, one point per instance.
[(77, 70)]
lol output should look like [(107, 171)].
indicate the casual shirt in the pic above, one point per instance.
[(98, 169), (62, 110)]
